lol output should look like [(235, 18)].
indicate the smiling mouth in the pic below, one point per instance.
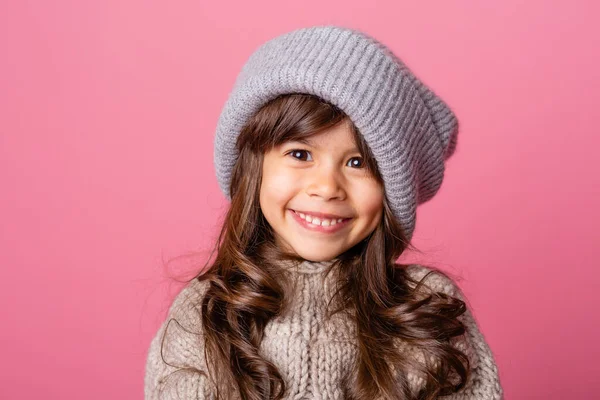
[(319, 224)]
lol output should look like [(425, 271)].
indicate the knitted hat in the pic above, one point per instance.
[(409, 129)]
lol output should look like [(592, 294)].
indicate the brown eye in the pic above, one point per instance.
[(356, 162), (297, 153)]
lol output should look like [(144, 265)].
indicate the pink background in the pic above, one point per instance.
[(107, 114)]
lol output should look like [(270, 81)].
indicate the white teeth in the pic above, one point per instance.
[(318, 221)]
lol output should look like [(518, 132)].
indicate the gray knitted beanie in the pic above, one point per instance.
[(409, 129)]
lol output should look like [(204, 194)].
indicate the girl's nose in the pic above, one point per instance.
[(326, 183)]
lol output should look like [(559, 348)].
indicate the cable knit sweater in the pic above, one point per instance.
[(311, 353)]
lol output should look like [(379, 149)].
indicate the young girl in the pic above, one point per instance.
[(325, 147)]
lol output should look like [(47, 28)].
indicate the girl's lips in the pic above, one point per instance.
[(319, 228)]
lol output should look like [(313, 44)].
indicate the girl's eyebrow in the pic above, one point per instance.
[(309, 142)]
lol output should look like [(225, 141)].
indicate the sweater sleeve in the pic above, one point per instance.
[(484, 382), (177, 351)]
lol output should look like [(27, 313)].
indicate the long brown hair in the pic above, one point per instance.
[(246, 288)]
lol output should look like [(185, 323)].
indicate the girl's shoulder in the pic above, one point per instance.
[(187, 303), (176, 352), (484, 382), (434, 279)]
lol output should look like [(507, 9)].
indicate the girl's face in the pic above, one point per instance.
[(324, 175)]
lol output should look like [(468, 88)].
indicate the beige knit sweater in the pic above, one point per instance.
[(311, 353)]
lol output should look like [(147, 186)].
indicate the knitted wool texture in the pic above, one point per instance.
[(313, 354), (410, 130)]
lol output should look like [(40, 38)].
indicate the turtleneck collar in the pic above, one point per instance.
[(308, 267)]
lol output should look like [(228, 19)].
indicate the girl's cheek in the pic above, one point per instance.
[(371, 198), (282, 179)]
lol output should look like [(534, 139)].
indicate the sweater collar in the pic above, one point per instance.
[(308, 267)]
